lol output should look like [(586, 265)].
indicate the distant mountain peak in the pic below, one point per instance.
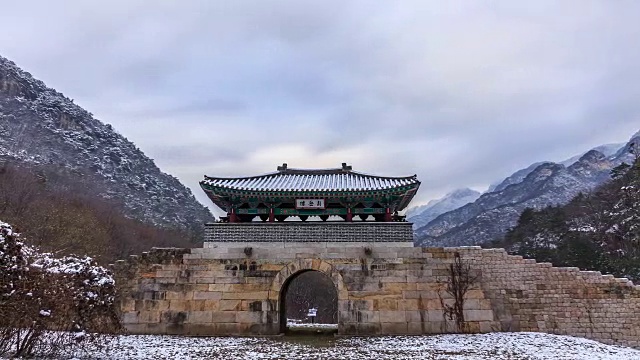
[(423, 214), (606, 149), (539, 185), (516, 177), (592, 155), (624, 153), (463, 192)]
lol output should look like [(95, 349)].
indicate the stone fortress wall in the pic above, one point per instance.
[(234, 288)]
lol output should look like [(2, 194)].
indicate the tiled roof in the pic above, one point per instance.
[(330, 180)]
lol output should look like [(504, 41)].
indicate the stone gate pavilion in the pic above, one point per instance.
[(237, 282), (361, 207), (339, 192)]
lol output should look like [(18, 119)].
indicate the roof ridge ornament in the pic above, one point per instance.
[(283, 167), (346, 167)]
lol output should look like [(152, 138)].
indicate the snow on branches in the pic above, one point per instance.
[(89, 281), (40, 293)]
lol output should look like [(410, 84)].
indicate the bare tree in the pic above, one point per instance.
[(460, 281)]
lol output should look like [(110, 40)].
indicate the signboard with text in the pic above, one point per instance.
[(309, 203)]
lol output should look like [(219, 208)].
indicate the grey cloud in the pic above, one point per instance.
[(185, 155), (460, 93), (186, 108)]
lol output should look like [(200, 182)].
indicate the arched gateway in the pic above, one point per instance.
[(283, 278), (234, 284)]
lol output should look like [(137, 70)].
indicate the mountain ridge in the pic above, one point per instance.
[(594, 231), (434, 208), (493, 213)]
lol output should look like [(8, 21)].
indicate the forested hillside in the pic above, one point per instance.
[(74, 185), (57, 214), (599, 230), (40, 127)]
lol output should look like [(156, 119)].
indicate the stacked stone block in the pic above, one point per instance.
[(530, 296)]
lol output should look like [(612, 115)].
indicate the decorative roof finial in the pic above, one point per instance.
[(346, 167), (283, 167)]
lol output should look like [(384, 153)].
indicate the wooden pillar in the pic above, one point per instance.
[(272, 216), (387, 215), (232, 216), (349, 215)]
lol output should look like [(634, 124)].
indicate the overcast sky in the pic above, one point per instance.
[(460, 93)]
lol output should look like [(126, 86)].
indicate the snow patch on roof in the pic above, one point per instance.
[(312, 180)]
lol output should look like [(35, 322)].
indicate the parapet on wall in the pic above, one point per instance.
[(232, 289), (313, 231)]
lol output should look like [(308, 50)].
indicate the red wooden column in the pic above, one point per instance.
[(272, 216), (349, 215), (387, 215), (232, 216)]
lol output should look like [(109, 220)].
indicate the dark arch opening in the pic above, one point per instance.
[(304, 290)]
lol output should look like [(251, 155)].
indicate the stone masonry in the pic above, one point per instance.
[(235, 288)]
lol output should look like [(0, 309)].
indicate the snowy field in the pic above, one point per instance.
[(496, 346), (311, 329), (312, 326)]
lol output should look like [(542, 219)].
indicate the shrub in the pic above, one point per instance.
[(48, 304)]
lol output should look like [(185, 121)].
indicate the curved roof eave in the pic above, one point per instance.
[(310, 172)]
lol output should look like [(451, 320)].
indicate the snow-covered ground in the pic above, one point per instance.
[(298, 325), (496, 346)]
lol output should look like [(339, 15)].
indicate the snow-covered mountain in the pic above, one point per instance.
[(607, 150), (602, 224), (422, 215), (514, 178), (40, 126), (518, 176), (537, 186), (415, 210)]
